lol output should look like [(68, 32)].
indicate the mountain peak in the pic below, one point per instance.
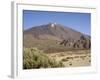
[(55, 32), (54, 29), (52, 24)]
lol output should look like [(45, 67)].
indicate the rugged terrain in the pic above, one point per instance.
[(55, 36), (59, 42)]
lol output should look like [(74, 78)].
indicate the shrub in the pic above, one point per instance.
[(34, 58), (64, 59)]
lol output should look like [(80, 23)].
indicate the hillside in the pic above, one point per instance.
[(55, 37)]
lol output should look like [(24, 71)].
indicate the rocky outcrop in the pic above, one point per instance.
[(82, 43), (55, 36)]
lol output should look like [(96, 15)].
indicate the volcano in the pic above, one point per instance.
[(53, 36)]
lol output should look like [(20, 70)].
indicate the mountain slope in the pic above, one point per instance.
[(54, 30), (55, 36)]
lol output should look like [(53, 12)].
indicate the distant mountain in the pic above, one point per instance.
[(55, 36)]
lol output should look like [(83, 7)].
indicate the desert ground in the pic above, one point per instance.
[(73, 58)]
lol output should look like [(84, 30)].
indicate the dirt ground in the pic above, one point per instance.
[(73, 58)]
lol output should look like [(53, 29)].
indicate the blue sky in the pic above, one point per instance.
[(78, 21)]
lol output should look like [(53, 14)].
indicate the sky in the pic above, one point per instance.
[(78, 21)]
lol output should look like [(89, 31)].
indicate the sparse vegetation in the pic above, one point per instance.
[(64, 59), (73, 58), (34, 58), (57, 46), (70, 63)]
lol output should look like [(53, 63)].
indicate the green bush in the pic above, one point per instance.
[(34, 58)]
